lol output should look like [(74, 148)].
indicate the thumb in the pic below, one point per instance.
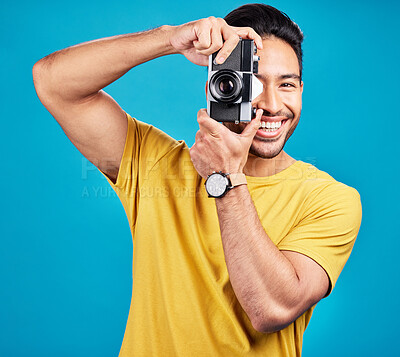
[(251, 128)]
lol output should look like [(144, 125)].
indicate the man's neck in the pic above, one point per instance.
[(258, 167)]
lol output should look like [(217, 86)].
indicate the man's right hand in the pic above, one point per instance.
[(197, 40)]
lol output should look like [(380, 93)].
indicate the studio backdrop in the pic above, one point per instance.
[(66, 248)]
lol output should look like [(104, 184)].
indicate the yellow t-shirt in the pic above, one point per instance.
[(182, 301)]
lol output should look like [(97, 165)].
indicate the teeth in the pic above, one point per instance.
[(270, 126)]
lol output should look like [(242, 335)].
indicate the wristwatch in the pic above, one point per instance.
[(219, 183)]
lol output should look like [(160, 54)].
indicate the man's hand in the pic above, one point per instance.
[(216, 148), (197, 40)]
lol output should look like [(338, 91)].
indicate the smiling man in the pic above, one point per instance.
[(236, 275)]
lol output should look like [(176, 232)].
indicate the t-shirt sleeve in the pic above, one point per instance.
[(328, 230), (144, 146)]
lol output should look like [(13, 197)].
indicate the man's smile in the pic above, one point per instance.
[(271, 127)]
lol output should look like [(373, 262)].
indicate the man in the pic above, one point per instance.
[(237, 275)]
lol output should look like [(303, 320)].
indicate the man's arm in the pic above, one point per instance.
[(274, 287), (69, 82)]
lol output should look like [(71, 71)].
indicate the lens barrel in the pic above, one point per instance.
[(226, 86)]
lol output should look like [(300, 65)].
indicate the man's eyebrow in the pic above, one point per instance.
[(282, 76)]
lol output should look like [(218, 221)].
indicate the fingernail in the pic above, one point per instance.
[(220, 60)]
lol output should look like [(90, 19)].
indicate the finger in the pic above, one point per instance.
[(216, 40), (198, 136), (251, 128), (216, 43), (208, 125), (248, 32), (193, 153), (203, 33), (231, 41), (216, 36)]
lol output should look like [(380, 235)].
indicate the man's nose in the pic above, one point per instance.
[(269, 100)]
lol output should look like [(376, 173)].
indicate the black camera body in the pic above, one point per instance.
[(232, 85)]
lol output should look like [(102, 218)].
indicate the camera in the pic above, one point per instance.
[(232, 85)]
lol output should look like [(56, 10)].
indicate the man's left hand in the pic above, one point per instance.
[(217, 148)]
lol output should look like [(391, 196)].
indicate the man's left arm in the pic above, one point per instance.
[(274, 287)]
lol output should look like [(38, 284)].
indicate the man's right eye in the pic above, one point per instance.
[(287, 85)]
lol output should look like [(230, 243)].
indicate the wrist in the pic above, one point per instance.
[(166, 33), (233, 196), (218, 184), (231, 166), (234, 171)]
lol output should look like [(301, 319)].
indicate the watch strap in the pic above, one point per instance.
[(237, 179)]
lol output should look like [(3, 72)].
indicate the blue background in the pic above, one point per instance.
[(65, 256)]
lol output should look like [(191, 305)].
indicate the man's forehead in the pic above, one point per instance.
[(278, 57)]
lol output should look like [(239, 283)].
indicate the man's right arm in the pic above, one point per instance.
[(69, 82)]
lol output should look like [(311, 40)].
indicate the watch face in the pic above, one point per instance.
[(216, 184)]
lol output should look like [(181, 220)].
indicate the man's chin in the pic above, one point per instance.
[(264, 152)]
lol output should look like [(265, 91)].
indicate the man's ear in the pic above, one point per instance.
[(301, 87), (206, 88)]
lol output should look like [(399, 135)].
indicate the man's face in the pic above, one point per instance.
[(279, 72)]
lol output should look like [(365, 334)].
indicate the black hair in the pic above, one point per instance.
[(267, 20)]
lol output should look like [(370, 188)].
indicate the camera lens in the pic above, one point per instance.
[(226, 86)]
